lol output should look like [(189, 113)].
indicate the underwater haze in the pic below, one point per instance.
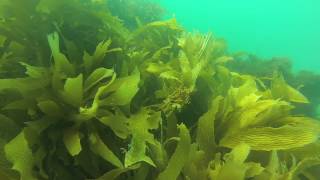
[(268, 28), (120, 90)]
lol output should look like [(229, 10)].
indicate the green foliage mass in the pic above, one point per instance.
[(307, 82), (88, 95)]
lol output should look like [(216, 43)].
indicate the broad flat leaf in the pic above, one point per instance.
[(124, 90), (20, 155), (269, 138), (302, 165), (280, 89), (223, 59), (195, 72), (96, 76), (240, 94), (50, 108), (178, 158), (234, 166), (253, 169), (21, 104), (47, 6), (95, 60), (170, 75), (308, 151), (118, 123), (61, 63), (71, 139), (206, 125), (8, 128), (157, 68), (140, 124), (113, 174), (239, 153), (101, 149), (89, 112), (36, 72), (73, 91), (255, 113), (41, 124), (23, 84)]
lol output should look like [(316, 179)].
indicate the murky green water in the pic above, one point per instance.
[(269, 28)]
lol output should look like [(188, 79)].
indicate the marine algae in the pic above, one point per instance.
[(85, 97)]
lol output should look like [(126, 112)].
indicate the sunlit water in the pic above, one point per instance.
[(268, 28)]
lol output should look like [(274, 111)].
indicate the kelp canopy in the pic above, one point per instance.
[(84, 95)]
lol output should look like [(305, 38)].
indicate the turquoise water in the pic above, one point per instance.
[(268, 28)]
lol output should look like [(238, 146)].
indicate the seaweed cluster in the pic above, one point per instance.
[(85, 97), (307, 82)]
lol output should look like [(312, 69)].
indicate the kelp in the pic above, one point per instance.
[(307, 82), (85, 97), (136, 13)]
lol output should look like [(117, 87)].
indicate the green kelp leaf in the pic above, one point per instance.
[(101, 149), (89, 112), (140, 124), (196, 167), (273, 169), (36, 72), (240, 94), (41, 124), (8, 128), (195, 72), (20, 155), (71, 139), (94, 61), (223, 59), (118, 123), (39, 159), (253, 169), (206, 124), (6, 173), (184, 63), (238, 154), (158, 154), (125, 89), (178, 158), (50, 108), (73, 91), (21, 104), (269, 138), (23, 84), (234, 165), (113, 174), (61, 63), (302, 165), (157, 68), (280, 89), (171, 75), (255, 113), (2, 40), (169, 24), (309, 151), (47, 6), (97, 76)]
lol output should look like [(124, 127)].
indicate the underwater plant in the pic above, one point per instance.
[(84, 97), (306, 81), (136, 13)]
